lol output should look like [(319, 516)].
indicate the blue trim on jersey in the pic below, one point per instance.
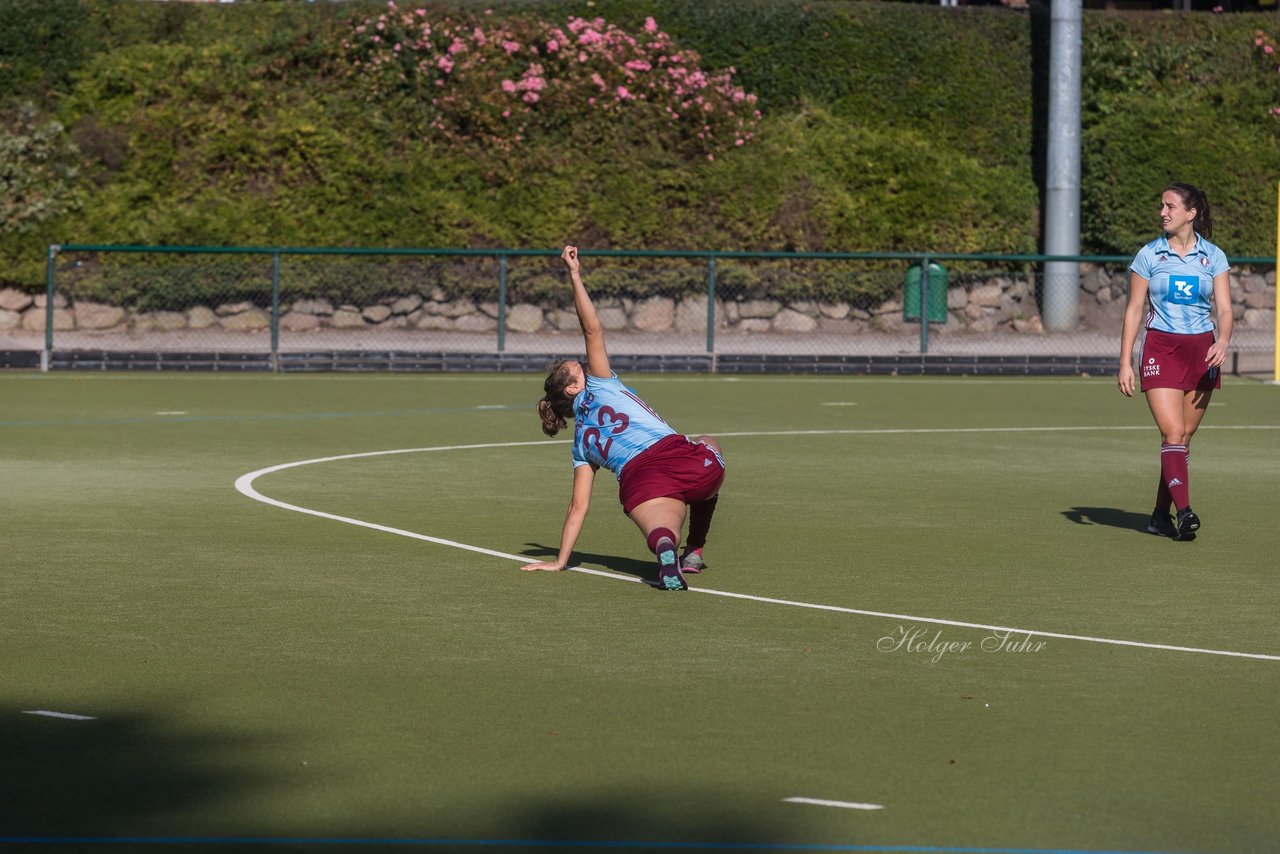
[(1180, 289), (612, 425)]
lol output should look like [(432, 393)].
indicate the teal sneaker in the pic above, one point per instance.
[(669, 575)]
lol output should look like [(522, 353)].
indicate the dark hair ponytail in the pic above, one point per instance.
[(556, 407), (1193, 198)]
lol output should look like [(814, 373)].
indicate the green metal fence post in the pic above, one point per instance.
[(924, 304), (711, 308), (50, 260), (502, 303), (275, 311)]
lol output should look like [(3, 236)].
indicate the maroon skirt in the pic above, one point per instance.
[(1177, 361), (672, 467)]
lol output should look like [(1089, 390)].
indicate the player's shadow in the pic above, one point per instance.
[(1109, 516), (645, 570)]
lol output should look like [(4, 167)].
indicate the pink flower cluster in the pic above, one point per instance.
[(499, 82), (1267, 48)]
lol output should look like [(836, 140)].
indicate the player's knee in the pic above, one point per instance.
[(1176, 437)]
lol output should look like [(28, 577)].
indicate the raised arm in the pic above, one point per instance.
[(583, 479), (592, 331)]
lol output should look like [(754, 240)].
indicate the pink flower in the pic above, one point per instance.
[(457, 46), (598, 80), (509, 87), (506, 114), (477, 36), (553, 46), (420, 12), (739, 142), (445, 64), (582, 57), (711, 157), (623, 94), (531, 97), (650, 25), (1256, 42), (1268, 49), (510, 47)]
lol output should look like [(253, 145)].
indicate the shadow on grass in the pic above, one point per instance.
[(1110, 517), (646, 820), (131, 783), (645, 570), (113, 776)]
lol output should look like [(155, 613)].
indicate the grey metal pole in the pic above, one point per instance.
[(50, 262), (1062, 196), (924, 305), (275, 311), (502, 303), (711, 304)]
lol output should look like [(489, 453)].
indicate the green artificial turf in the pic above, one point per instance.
[(257, 672)]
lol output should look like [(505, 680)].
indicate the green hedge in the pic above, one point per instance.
[(1178, 98), (886, 127)]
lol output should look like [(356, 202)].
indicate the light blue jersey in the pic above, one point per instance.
[(611, 425), (1180, 289)]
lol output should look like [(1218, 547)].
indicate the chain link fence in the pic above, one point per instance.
[(332, 309)]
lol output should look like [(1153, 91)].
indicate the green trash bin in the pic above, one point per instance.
[(937, 293)]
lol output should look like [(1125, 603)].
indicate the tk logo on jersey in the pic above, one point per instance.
[(1183, 290)]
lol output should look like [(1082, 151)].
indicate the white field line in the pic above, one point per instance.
[(66, 716), (847, 805), (244, 485)]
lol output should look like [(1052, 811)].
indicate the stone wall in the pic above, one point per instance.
[(995, 304)]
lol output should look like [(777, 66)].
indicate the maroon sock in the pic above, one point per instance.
[(657, 535), (1173, 470), (1164, 499), (700, 522)]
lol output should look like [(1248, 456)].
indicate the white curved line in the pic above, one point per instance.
[(244, 485)]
